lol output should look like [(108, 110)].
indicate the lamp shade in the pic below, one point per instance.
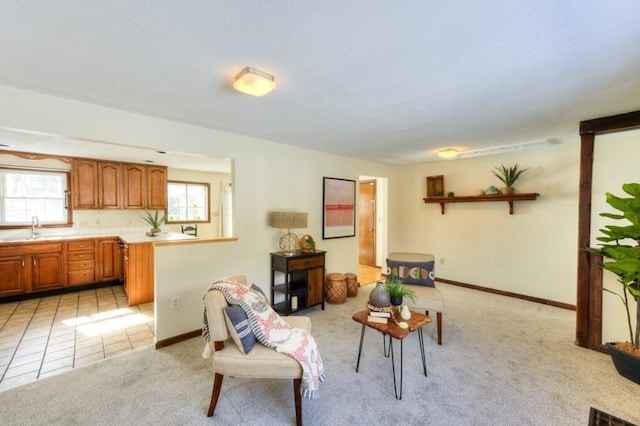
[(288, 220), (254, 82)]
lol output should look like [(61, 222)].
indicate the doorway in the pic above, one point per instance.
[(367, 222)]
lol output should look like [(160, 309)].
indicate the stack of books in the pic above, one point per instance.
[(378, 317)]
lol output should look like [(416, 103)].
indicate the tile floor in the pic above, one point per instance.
[(49, 335)]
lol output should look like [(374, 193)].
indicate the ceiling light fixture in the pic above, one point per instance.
[(254, 82), (448, 153)]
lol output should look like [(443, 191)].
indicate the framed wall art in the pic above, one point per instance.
[(338, 208)]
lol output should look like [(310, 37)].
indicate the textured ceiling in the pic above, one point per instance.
[(378, 80)]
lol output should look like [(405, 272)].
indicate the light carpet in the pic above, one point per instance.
[(503, 361)]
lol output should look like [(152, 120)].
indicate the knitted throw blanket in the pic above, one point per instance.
[(273, 332)]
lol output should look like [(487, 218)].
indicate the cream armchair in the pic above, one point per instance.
[(428, 299), (260, 363)]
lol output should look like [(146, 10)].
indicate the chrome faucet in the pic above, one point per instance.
[(35, 223)]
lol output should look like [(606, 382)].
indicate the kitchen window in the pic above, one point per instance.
[(28, 193), (188, 202)]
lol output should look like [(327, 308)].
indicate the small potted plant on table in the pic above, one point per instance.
[(621, 246), (397, 290)]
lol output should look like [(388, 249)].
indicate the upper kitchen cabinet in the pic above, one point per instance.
[(145, 187), (96, 184)]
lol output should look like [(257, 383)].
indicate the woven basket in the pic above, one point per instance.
[(352, 284), (336, 289)]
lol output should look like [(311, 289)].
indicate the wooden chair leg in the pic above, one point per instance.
[(298, 399), (439, 325), (215, 393)]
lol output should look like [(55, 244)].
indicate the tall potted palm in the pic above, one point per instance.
[(621, 249)]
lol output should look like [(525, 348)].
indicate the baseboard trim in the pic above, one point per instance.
[(177, 339), (509, 294)]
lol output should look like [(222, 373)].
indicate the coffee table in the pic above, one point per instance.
[(391, 329)]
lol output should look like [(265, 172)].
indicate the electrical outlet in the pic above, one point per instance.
[(442, 260), (175, 302)]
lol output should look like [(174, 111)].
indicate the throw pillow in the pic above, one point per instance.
[(239, 329), (417, 273), (260, 292)]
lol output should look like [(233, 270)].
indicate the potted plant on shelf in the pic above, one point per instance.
[(155, 221), (621, 247), (398, 291), (508, 176)]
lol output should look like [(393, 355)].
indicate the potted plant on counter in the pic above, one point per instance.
[(155, 221), (398, 291), (508, 176), (621, 249)]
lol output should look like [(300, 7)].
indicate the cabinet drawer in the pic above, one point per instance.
[(85, 255), (81, 265), (80, 245), (81, 277), (306, 263)]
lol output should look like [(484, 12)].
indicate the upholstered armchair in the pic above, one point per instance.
[(259, 363), (428, 297)]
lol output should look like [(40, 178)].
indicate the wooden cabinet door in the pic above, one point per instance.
[(47, 271), (315, 283), (157, 187), (135, 186), (110, 185), (109, 260), (139, 279), (85, 184), (12, 278)]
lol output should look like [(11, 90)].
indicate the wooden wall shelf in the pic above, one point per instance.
[(481, 198)]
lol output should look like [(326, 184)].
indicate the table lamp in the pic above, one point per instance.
[(288, 221)]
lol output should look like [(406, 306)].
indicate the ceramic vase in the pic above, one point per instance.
[(405, 313), (379, 296)]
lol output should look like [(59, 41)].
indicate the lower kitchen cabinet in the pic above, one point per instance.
[(138, 272), (109, 263), (12, 276), (47, 270), (31, 267), (81, 262)]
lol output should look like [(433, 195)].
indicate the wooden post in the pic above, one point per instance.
[(583, 297)]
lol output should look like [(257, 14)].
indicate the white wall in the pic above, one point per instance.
[(615, 163), (531, 252), (267, 176)]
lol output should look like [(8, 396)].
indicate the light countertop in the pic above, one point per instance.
[(128, 238)]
